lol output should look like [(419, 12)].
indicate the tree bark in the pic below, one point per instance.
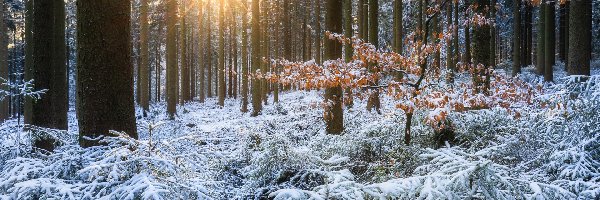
[(245, 57), (201, 59), (264, 66), (209, 53), (334, 114), (318, 41), (481, 55), (516, 68), (549, 41), (105, 72), (256, 83), (398, 26), (47, 56), (529, 34), (450, 51), (374, 100), (540, 65), (563, 31), (348, 51), (4, 103), (183, 47), (234, 55), (493, 35), (221, 71), (144, 58), (172, 64), (361, 19), (348, 32), (580, 41)]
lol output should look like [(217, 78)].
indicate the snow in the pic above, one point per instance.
[(210, 152)]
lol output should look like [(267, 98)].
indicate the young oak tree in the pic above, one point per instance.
[(417, 89)]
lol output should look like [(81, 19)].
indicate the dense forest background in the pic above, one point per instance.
[(300, 99)]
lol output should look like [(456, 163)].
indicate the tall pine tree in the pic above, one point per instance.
[(105, 72)]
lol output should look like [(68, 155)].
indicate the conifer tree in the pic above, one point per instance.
[(105, 72)]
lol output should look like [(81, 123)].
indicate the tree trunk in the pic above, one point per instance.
[(183, 47), (201, 59), (563, 31), (158, 70), (234, 56), (48, 67), (193, 62), (481, 55), (450, 52), (529, 34), (221, 71), (105, 73), (245, 57), (580, 41), (318, 51), (374, 22), (334, 114), (348, 32), (467, 57), (287, 31), (540, 41), (549, 41), (144, 58), (209, 53), (361, 18), (230, 58), (437, 55), (348, 51), (256, 86), (60, 83), (516, 68), (172, 65), (374, 100), (398, 26), (305, 55), (4, 103), (264, 66), (420, 11), (456, 57), (493, 34)]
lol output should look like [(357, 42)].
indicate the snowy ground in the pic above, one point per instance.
[(210, 152)]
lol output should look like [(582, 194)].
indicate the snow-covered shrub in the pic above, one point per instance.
[(123, 169), (577, 168), (450, 173)]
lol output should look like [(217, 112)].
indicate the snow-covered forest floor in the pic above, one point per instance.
[(210, 152)]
